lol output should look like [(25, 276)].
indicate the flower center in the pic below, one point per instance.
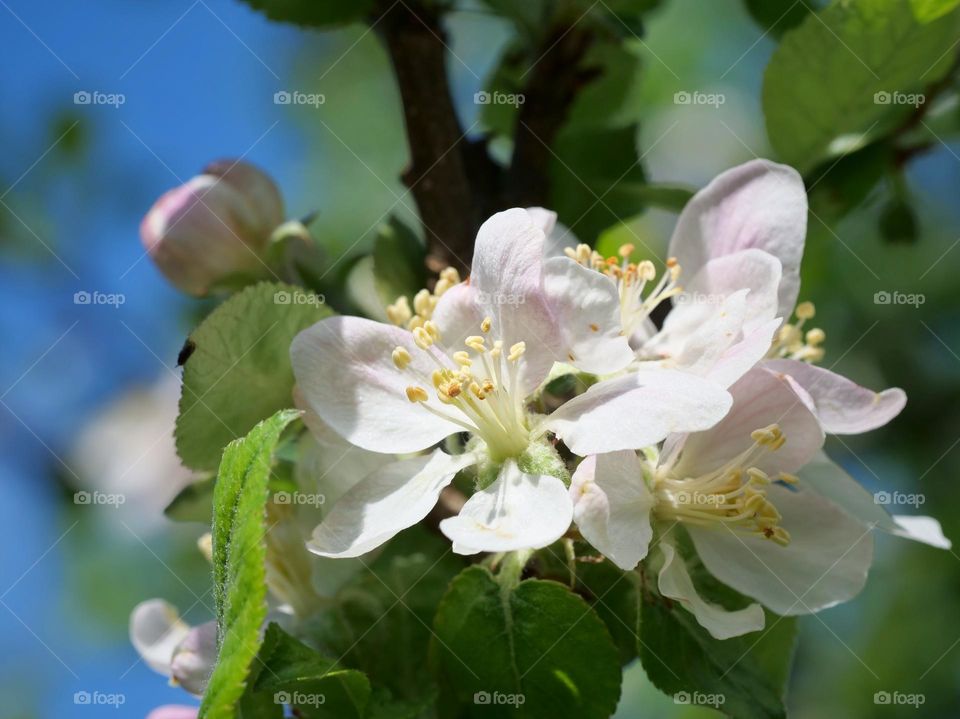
[(733, 495), (637, 301), (424, 302), (793, 343), (480, 387)]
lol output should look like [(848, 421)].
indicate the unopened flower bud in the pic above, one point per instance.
[(214, 227)]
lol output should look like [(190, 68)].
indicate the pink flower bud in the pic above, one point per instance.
[(214, 227)]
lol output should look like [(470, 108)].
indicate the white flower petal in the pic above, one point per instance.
[(195, 657), (760, 398), (586, 307), (638, 410), (826, 562), (745, 354), (612, 506), (921, 529), (391, 499), (674, 582), (559, 236), (697, 333), (843, 406), (155, 632), (346, 376), (828, 479), (457, 315), (754, 270), (759, 204), (517, 511)]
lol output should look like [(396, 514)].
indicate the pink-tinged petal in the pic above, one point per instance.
[(698, 331), (559, 237), (261, 196), (457, 315), (829, 480), (843, 406), (215, 226), (391, 499), (926, 530), (195, 657), (754, 270), (826, 562), (760, 398), (760, 205), (586, 308), (155, 632), (740, 358), (507, 274), (674, 581), (346, 376), (517, 511), (638, 410), (612, 506), (174, 711)]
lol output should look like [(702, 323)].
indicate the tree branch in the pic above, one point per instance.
[(555, 80), (437, 174)]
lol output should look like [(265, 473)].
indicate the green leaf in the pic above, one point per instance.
[(194, 503), (533, 649), (238, 561), (296, 675), (593, 176), (314, 13), (398, 262), (929, 10), (239, 371), (391, 604), (746, 675), (778, 16), (850, 74)]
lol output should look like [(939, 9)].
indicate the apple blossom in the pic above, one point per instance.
[(482, 348), (214, 227), (768, 514), (172, 647)]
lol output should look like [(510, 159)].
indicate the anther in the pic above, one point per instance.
[(416, 394), (401, 358)]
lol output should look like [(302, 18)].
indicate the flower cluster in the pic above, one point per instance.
[(712, 420)]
